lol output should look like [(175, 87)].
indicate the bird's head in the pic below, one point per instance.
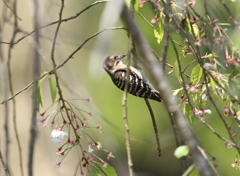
[(112, 61)]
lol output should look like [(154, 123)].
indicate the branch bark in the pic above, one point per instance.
[(36, 73)]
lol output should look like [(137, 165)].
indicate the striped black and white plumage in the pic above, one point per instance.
[(138, 86)]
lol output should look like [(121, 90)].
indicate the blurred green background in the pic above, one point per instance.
[(83, 77)]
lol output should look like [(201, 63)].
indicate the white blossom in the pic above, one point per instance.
[(57, 135), (90, 150)]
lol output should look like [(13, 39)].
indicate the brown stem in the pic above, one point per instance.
[(154, 127)]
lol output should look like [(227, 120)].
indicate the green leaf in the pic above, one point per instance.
[(187, 110), (224, 24), (159, 29), (53, 88), (196, 74), (181, 151), (175, 92), (191, 171), (40, 92), (128, 2), (136, 5), (97, 171), (238, 115), (194, 27), (93, 173), (177, 71), (109, 170), (212, 82), (218, 63), (211, 55)]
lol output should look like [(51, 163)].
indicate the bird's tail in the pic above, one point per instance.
[(156, 96)]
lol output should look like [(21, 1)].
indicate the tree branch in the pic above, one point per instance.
[(36, 73)]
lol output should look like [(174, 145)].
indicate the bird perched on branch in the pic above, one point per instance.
[(138, 84)]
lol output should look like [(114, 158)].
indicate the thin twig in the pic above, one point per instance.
[(184, 160), (229, 12), (3, 164), (166, 32), (64, 62), (125, 119), (55, 71), (145, 19), (56, 22), (13, 10), (15, 31), (124, 101), (154, 127), (218, 135), (209, 162), (160, 59)]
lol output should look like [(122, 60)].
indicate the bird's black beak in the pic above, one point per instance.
[(122, 56)]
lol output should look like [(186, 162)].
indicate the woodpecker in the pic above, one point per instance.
[(138, 84)]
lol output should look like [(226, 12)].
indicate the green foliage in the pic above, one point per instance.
[(109, 170), (95, 173), (103, 171), (40, 92), (196, 74), (136, 4), (175, 92), (191, 171), (159, 29), (53, 88), (177, 71), (181, 151), (192, 28), (186, 110)]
